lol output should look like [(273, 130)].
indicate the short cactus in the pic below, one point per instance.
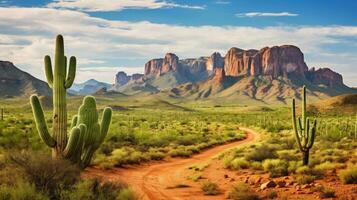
[(86, 134), (305, 135)]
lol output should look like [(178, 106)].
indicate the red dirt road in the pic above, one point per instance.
[(157, 181)]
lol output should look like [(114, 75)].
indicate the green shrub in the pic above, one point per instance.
[(327, 166), (261, 153), (349, 175), (210, 188), (239, 163), (276, 167), (45, 173), (242, 191), (95, 189), (272, 195), (22, 190), (180, 152), (127, 194), (305, 179)]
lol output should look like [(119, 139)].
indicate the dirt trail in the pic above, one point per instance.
[(158, 180)]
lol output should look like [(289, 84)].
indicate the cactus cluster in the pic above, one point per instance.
[(86, 134), (304, 132)]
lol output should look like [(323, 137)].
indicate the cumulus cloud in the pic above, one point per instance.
[(115, 5), (266, 14), (27, 34)]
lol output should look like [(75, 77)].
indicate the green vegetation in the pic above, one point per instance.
[(210, 188), (241, 191), (349, 175), (86, 134), (38, 176), (305, 136)]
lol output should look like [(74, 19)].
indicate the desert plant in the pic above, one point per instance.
[(2, 114), (349, 175), (86, 134), (210, 188), (305, 136), (242, 191), (46, 174)]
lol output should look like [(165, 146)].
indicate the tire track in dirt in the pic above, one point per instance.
[(157, 180)]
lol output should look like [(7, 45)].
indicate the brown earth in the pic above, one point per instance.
[(161, 180), (170, 179)]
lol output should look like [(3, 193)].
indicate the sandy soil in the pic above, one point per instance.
[(170, 179), (161, 180)]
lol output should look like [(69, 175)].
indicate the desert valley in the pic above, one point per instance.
[(236, 123)]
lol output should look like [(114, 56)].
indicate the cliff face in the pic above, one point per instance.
[(324, 76), (14, 82), (277, 61), (122, 78)]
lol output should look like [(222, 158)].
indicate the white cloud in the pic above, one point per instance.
[(266, 14), (222, 2), (27, 34), (115, 5)]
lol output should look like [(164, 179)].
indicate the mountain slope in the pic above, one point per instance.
[(89, 87), (15, 83), (269, 75)]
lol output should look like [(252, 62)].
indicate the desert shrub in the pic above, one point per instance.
[(180, 152), (325, 192), (210, 188), (293, 166), (242, 191), (276, 167), (305, 179), (22, 190), (46, 174), (349, 175), (238, 163), (95, 189), (272, 195), (127, 194), (256, 165), (156, 155), (327, 166), (306, 170), (261, 153)]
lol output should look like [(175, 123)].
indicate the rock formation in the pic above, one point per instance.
[(14, 82)]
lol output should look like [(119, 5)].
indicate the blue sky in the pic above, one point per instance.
[(112, 35)]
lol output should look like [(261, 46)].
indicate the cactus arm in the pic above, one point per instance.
[(312, 135), (48, 71), (65, 65), (74, 121), (294, 125), (104, 126), (41, 122), (306, 132), (72, 142), (71, 72), (300, 124), (303, 105)]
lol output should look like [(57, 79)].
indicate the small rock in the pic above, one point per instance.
[(306, 186), (258, 180), (281, 184), (226, 176), (232, 179), (269, 184), (246, 180)]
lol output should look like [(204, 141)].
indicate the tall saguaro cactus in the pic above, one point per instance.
[(86, 134), (304, 134)]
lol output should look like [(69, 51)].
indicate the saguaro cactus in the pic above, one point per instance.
[(94, 134), (305, 135), (86, 134)]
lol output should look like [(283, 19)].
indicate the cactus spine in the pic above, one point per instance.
[(84, 134), (304, 134)]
